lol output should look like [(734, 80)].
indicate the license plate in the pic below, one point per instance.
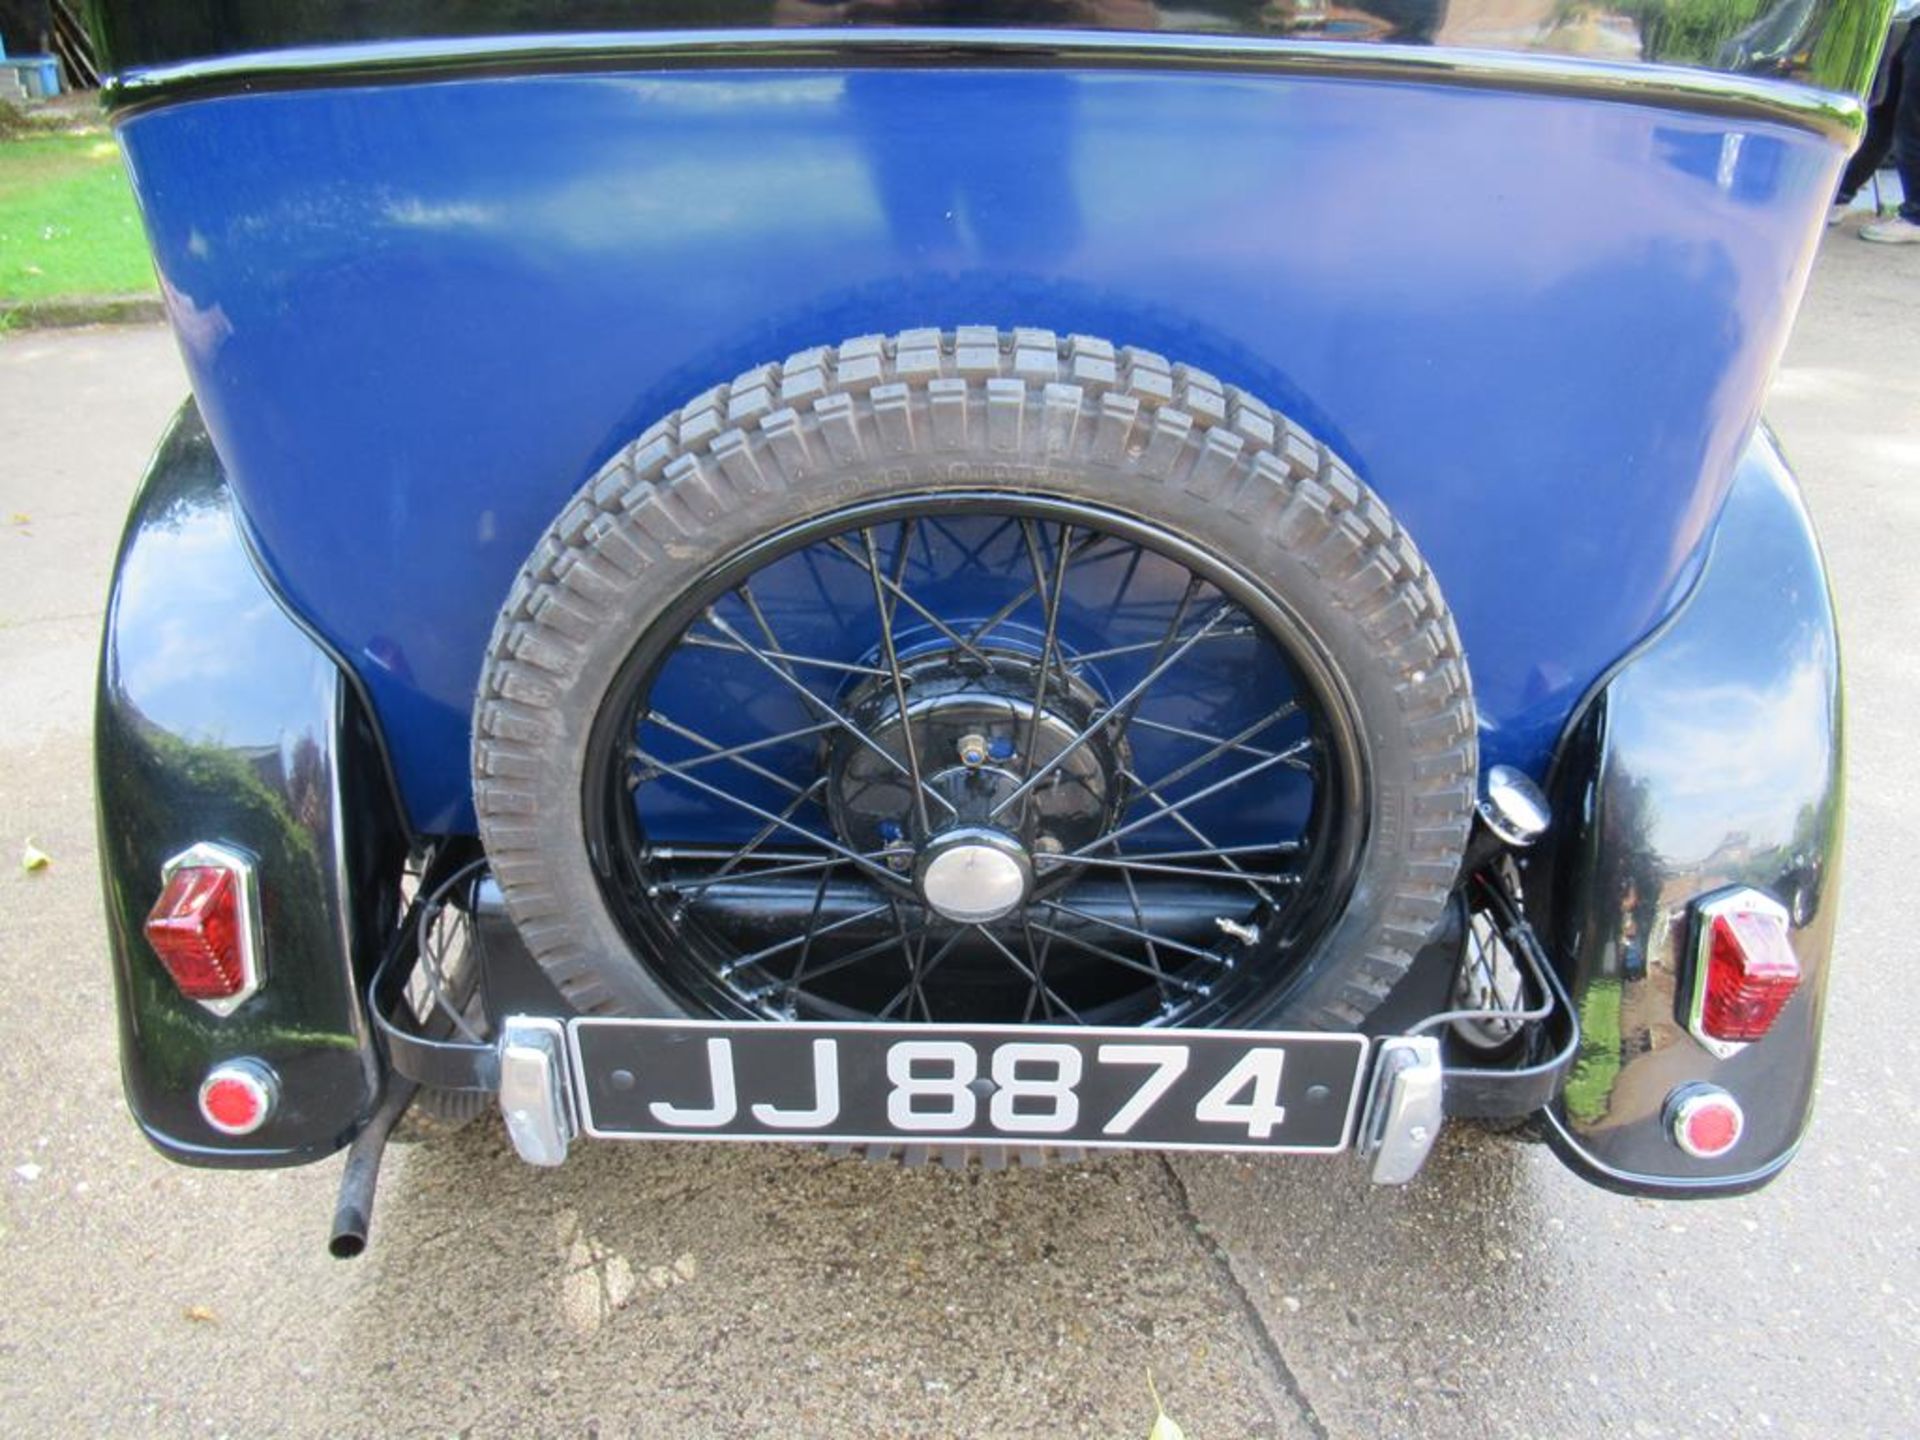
[(966, 1085)]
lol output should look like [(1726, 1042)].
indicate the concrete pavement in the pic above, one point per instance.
[(720, 1292)]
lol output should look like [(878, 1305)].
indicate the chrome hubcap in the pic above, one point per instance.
[(974, 875)]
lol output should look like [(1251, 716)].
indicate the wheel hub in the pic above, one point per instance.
[(973, 733), (971, 875)]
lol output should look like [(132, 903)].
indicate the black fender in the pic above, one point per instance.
[(218, 718), (1711, 757)]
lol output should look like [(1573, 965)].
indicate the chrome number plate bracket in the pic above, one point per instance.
[(1404, 1107), (536, 1095)]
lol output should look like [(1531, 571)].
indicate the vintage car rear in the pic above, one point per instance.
[(976, 580)]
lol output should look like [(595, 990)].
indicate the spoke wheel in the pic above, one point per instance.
[(962, 758), (976, 677)]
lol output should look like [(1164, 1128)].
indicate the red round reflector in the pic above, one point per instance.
[(236, 1098), (1704, 1120)]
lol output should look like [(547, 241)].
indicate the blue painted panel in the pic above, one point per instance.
[(418, 317)]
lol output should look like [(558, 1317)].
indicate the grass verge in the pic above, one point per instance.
[(68, 227)]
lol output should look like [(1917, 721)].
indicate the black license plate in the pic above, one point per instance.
[(967, 1085)]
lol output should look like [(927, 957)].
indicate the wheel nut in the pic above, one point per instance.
[(973, 750)]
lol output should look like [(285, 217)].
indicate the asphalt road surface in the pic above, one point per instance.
[(678, 1291)]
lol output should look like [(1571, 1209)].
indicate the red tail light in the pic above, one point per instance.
[(1745, 970), (203, 927)]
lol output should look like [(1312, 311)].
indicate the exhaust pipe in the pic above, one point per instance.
[(353, 1215)]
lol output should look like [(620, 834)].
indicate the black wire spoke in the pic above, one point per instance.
[(925, 532), (785, 822), (1036, 991), (1067, 937), (745, 591), (1120, 591), (907, 951), (903, 553), (716, 752), (823, 706), (828, 863), (804, 732), (1179, 947), (786, 657), (840, 547), (1167, 811), (972, 556), (1115, 714), (1062, 553), (1185, 822), (1153, 951), (1114, 652), (667, 854), (829, 603), (1123, 709), (1041, 956), (842, 962), (1006, 611), (1170, 809), (765, 832), (791, 991), (1128, 865), (886, 613), (1163, 727), (916, 974), (1061, 662), (1292, 752), (1048, 993), (916, 984), (1272, 847), (741, 962)]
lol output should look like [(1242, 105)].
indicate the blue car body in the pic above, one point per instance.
[(427, 286), (419, 318)]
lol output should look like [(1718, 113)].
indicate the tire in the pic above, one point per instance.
[(439, 1115), (1032, 417)]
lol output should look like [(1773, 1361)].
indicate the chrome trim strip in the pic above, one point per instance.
[(1836, 116)]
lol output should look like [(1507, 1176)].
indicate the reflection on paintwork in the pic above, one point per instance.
[(1579, 326), (216, 720), (1757, 787), (181, 636), (1713, 759)]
